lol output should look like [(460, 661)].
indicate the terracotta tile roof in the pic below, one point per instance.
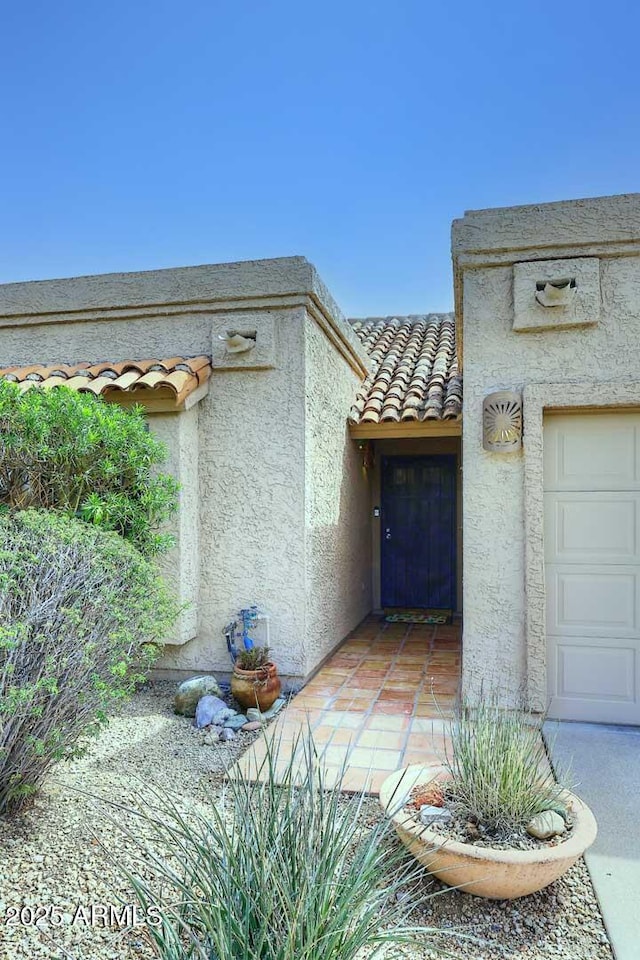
[(179, 375), (415, 373)]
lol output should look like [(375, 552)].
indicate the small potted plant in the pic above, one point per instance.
[(492, 819), (255, 681)]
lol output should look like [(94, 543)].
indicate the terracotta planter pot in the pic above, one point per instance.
[(482, 871), (256, 688)]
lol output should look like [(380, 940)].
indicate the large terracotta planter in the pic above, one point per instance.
[(482, 871), (256, 688)]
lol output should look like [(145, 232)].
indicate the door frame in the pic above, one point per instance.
[(452, 461)]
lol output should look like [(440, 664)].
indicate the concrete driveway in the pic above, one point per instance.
[(604, 763)]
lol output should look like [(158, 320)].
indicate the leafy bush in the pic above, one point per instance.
[(78, 606), (282, 869), (74, 452), (500, 773)]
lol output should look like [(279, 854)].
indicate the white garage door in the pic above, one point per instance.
[(592, 562)]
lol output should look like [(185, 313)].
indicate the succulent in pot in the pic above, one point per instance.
[(255, 681)]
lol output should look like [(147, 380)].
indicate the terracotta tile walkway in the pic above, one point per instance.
[(377, 704)]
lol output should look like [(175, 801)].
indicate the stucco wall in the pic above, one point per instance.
[(252, 501), (181, 565), (502, 602), (337, 528), (262, 519)]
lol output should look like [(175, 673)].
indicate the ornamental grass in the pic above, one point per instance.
[(500, 772), (282, 868)]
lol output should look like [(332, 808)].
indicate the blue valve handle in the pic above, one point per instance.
[(249, 617)]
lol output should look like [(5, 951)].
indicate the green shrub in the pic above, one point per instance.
[(80, 612), (497, 759), (74, 452), (285, 868)]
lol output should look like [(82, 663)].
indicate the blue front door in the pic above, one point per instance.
[(418, 555)]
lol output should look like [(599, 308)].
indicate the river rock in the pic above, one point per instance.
[(252, 725), (275, 708), (546, 825), (227, 734), (236, 722), (254, 714), (212, 709), (191, 691)]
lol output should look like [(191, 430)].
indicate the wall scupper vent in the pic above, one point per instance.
[(556, 293), (553, 294), (239, 342), (244, 343)]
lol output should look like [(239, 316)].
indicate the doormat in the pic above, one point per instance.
[(418, 616)]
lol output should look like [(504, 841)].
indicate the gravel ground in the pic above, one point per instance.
[(53, 856)]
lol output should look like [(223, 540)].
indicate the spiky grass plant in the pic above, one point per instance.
[(498, 763), (254, 658), (280, 869)]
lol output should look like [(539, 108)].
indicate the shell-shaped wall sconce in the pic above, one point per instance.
[(556, 293), (502, 422)]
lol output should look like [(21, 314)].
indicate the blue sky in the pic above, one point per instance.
[(138, 135)]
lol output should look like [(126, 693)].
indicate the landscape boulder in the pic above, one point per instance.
[(191, 691)]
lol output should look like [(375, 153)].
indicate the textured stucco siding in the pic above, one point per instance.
[(238, 283), (503, 601), (337, 527), (105, 338), (246, 515), (493, 497), (181, 565), (540, 227), (252, 501)]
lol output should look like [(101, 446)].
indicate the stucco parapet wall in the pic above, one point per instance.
[(248, 285), (598, 227)]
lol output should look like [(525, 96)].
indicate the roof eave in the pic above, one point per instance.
[(406, 428)]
